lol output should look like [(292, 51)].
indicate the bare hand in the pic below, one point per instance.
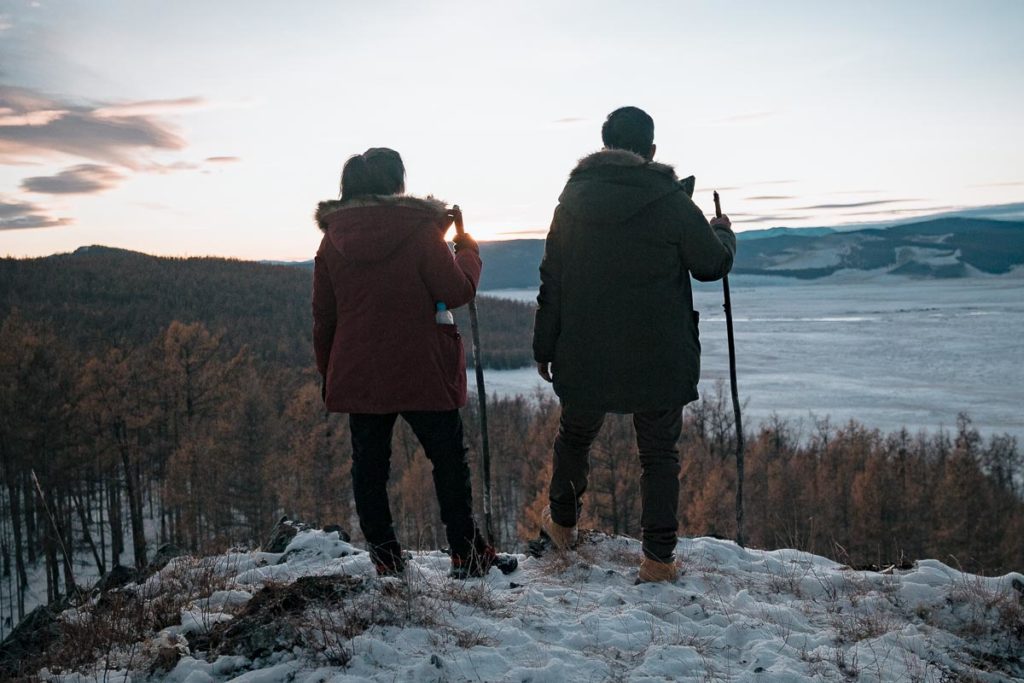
[(544, 370), (464, 241), (721, 222)]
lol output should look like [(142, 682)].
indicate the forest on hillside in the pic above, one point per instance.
[(98, 297), (123, 428)]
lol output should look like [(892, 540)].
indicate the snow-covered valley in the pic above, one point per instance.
[(884, 350)]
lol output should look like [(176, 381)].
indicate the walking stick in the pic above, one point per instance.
[(485, 450), (735, 396)]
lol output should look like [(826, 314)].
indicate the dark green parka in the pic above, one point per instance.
[(615, 311)]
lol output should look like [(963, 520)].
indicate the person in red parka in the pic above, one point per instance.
[(382, 272)]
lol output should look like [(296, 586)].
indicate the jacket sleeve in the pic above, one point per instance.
[(325, 311), (705, 251), (548, 320), (451, 280)]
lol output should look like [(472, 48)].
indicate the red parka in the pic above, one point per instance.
[(381, 269)]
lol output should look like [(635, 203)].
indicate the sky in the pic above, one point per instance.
[(214, 128)]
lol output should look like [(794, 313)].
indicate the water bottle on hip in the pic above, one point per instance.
[(443, 315)]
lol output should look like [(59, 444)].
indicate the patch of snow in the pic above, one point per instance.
[(927, 256), (734, 613), (933, 239), (800, 259), (528, 294)]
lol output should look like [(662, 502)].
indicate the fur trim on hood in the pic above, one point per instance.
[(620, 157), (326, 208)]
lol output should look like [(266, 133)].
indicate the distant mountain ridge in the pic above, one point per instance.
[(948, 247), (941, 248), (938, 248)]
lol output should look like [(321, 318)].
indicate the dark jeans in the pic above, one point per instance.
[(440, 433), (656, 435)]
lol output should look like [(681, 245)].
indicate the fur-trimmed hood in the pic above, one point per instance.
[(612, 185), (327, 208), (623, 158), (372, 228)]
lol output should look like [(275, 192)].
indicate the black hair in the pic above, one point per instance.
[(378, 170), (629, 128)]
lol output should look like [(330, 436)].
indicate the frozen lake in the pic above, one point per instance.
[(886, 351)]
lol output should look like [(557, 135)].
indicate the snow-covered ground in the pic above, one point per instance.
[(734, 614)]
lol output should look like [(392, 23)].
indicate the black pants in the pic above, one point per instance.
[(656, 436), (440, 433)]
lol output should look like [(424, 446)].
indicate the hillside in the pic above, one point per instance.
[(317, 612), (99, 296)]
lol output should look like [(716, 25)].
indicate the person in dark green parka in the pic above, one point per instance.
[(615, 328)]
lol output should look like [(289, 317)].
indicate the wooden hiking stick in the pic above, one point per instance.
[(735, 396), (485, 449)]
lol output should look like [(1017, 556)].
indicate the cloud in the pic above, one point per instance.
[(570, 119), (33, 125), (81, 179), (853, 205), (8, 117), (222, 160), (5, 22), (163, 169), (771, 197), (152, 107), (893, 212), (24, 216), (1011, 184), (767, 219)]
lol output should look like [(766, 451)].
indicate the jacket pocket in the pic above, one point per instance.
[(453, 354), (450, 331)]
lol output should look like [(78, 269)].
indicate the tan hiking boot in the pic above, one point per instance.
[(562, 537), (653, 571)]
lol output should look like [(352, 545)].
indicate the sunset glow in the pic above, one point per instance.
[(213, 129)]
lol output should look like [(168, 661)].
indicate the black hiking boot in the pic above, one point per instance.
[(478, 563), (540, 545), (387, 559)]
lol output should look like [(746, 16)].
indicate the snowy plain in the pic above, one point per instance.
[(885, 350), (734, 615)]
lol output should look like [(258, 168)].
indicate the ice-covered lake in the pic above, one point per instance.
[(886, 351)]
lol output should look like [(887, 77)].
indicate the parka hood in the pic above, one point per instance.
[(368, 229), (611, 185)]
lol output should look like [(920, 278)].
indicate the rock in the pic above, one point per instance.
[(286, 529), (282, 534), (118, 576), (164, 554), (30, 638), (268, 623), (170, 648), (342, 534)]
